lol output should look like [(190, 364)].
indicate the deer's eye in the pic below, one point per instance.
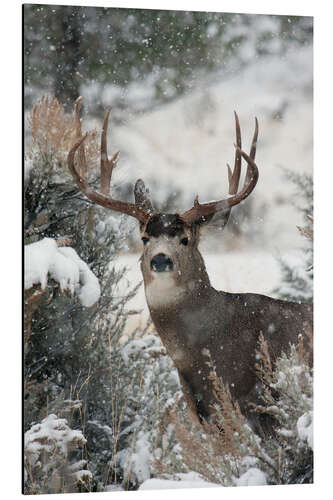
[(184, 241), (145, 240)]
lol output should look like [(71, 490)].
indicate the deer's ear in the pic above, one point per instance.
[(205, 219), (141, 194), (220, 219)]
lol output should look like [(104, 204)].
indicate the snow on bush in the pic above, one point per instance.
[(252, 477), (145, 386), (139, 460), (46, 448), (45, 259), (52, 434), (305, 428), (162, 446), (238, 456)]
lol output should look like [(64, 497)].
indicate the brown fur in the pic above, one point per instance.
[(203, 320)]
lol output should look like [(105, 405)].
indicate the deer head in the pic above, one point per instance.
[(171, 263)]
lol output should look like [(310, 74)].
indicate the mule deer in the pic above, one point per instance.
[(191, 317)]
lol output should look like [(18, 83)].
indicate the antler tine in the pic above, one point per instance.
[(140, 212), (252, 151), (235, 175), (80, 180), (254, 140), (107, 165), (78, 131), (200, 211)]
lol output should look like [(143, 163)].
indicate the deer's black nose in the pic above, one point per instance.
[(161, 263)]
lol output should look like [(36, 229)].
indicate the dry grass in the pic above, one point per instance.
[(221, 449), (307, 231), (55, 132), (214, 450), (263, 366), (32, 300)]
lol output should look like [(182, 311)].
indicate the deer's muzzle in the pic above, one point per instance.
[(161, 263)]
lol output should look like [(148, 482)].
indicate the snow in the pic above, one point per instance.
[(45, 259), (305, 428), (252, 477), (149, 345), (136, 461), (188, 480), (82, 475), (140, 460), (48, 443), (51, 434)]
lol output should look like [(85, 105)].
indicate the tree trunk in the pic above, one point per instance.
[(68, 52)]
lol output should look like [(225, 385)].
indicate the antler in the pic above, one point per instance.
[(200, 211), (137, 210)]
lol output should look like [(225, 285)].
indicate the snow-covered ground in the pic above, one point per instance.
[(188, 480), (186, 144)]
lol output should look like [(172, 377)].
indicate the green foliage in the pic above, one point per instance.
[(303, 194), (67, 349), (297, 281)]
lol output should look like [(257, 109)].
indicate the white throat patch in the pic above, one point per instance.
[(162, 290)]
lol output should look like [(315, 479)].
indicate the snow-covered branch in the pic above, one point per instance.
[(44, 260)]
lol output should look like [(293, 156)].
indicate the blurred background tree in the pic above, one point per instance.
[(167, 51)]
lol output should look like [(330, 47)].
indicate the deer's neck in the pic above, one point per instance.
[(182, 320)]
